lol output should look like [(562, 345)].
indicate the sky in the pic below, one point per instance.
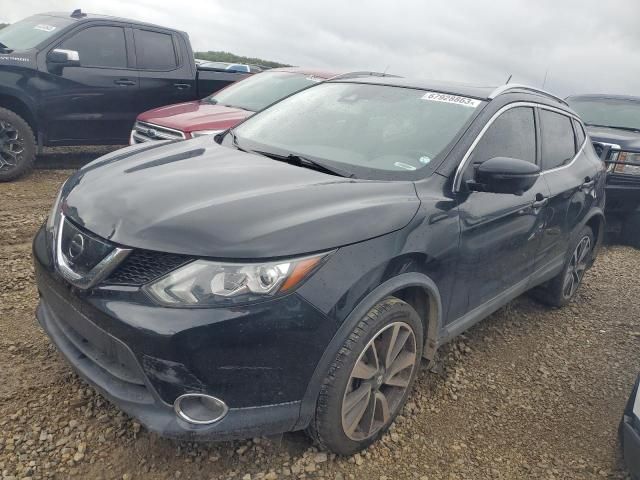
[(580, 46)]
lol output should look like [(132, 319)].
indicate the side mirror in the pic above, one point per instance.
[(64, 58), (505, 175)]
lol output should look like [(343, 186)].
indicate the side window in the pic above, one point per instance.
[(580, 135), (155, 51), (512, 134), (99, 47), (558, 141)]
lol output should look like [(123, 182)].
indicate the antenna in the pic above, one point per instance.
[(508, 79), (77, 13), (385, 71), (544, 82)]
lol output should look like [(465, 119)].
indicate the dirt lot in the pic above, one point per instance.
[(529, 393)]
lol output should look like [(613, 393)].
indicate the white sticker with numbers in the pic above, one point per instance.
[(448, 98)]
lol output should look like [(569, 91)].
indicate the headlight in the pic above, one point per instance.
[(202, 133), (54, 213), (206, 283), (629, 163)]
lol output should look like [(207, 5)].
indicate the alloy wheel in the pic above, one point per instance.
[(378, 381), (577, 267), (11, 146)]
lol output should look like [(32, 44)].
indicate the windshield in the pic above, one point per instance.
[(31, 31), (260, 90), (372, 131), (608, 112)]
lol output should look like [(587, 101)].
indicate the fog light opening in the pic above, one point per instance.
[(200, 409)]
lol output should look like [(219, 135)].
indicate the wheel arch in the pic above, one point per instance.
[(597, 222), (19, 106), (417, 290)]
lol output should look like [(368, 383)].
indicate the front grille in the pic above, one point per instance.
[(145, 132), (143, 266)]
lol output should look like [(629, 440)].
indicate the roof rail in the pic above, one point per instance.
[(361, 74), (516, 86)]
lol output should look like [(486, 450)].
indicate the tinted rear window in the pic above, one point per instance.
[(558, 142), (155, 51), (580, 135)]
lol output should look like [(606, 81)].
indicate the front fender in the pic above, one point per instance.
[(399, 282)]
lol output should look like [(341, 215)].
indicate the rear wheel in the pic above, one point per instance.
[(17, 146), (560, 290), (370, 378)]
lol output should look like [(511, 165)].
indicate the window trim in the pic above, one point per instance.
[(76, 31), (457, 178), (171, 35)]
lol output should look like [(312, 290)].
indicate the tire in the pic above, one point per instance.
[(557, 292), (17, 146), (631, 230), (344, 434)]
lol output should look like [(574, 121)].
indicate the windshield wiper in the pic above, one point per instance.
[(306, 162), (630, 129)]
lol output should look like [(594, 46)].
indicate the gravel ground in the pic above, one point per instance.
[(529, 393)]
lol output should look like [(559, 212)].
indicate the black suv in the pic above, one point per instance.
[(290, 273), (613, 123)]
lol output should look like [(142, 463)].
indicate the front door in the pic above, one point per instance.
[(499, 233), (93, 102)]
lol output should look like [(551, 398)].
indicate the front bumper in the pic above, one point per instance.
[(630, 433), (257, 359)]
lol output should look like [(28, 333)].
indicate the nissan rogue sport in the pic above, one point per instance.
[(291, 273)]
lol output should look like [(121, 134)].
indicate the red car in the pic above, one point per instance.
[(225, 108)]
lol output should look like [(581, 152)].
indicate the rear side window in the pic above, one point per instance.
[(580, 135), (512, 134), (99, 47), (558, 141), (154, 50)]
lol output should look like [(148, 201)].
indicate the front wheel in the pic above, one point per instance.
[(370, 379), (17, 146)]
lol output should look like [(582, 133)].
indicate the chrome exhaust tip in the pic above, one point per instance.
[(200, 409)]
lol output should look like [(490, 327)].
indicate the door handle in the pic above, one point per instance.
[(125, 82), (182, 86), (588, 183), (540, 201)]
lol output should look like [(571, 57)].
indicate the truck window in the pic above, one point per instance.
[(99, 47), (155, 51)]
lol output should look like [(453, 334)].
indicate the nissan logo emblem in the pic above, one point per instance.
[(76, 246), (151, 133)]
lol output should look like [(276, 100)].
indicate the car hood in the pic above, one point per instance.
[(193, 116), (199, 198), (627, 140)]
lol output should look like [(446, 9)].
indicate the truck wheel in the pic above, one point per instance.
[(631, 230), (17, 146), (370, 379)]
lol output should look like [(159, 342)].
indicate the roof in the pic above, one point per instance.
[(605, 96), (93, 16), (306, 71), (480, 92), (464, 90)]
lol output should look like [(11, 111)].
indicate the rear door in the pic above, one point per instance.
[(93, 102), (500, 233), (166, 75), (570, 175)]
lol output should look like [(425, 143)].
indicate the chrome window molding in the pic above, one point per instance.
[(97, 273), (457, 178)]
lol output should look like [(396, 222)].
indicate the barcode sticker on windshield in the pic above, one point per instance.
[(44, 28), (447, 98)]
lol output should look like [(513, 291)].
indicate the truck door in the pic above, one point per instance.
[(92, 102), (166, 75)]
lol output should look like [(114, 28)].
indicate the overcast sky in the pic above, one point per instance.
[(585, 45)]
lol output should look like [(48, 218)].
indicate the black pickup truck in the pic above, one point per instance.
[(613, 123), (82, 79)]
